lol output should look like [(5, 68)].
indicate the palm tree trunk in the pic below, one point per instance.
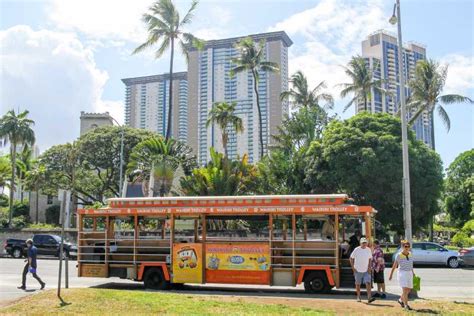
[(12, 183), (170, 110), (37, 205), (224, 142), (255, 87), (432, 130), (431, 228), (365, 102), (20, 186)]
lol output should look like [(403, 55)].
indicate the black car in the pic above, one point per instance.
[(45, 243)]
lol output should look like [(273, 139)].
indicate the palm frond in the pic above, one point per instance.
[(454, 98), (444, 117), (189, 16)]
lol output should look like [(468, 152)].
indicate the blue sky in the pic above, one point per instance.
[(60, 57)]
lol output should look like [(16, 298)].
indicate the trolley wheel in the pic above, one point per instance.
[(154, 279), (316, 282)]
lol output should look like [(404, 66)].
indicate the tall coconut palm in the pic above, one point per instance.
[(252, 58), (426, 88), (15, 129), (165, 29), (158, 159), (223, 114), (24, 164), (363, 82), (302, 96), (35, 178)]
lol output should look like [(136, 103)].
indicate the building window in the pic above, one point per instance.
[(50, 199)]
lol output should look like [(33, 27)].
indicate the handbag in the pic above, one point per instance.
[(416, 283)]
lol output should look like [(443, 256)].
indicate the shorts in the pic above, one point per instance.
[(362, 277), (405, 278), (379, 277)]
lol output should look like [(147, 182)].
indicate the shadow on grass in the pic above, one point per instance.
[(247, 291), (427, 311)]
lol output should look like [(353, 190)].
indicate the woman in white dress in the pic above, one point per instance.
[(404, 263)]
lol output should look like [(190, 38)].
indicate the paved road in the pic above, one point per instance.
[(437, 283)]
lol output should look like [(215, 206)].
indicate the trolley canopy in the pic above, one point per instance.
[(231, 205)]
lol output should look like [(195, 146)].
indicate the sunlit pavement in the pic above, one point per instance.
[(436, 283)]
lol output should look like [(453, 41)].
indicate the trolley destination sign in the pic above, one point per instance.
[(310, 209)]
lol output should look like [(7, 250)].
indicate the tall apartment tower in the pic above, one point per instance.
[(381, 53), (209, 81), (147, 104)]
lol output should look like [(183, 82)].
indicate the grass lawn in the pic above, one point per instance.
[(122, 302)]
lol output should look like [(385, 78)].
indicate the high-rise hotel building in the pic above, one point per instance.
[(209, 81), (147, 104), (381, 52)]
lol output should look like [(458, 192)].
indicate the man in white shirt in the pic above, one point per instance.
[(361, 262)]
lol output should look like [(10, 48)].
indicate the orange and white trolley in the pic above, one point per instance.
[(277, 240)]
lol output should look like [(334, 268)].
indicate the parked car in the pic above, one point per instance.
[(466, 257), (432, 253), (45, 243)]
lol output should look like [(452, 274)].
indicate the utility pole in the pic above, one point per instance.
[(396, 19)]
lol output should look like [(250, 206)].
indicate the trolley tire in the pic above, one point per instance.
[(154, 279), (316, 282)]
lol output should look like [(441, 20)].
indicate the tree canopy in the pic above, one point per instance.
[(90, 166), (459, 188), (362, 156)]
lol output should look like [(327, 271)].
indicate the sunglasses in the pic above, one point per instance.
[(406, 246)]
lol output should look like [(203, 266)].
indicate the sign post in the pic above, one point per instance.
[(62, 194)]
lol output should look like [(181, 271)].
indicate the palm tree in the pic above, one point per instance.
[(35, 178), (17, 130), (166, 29), (223, 114), (23, 163), (363, 82), (252, 59), (220, 176), (5, 170), (158, 159), (302, 96), (426, 88)]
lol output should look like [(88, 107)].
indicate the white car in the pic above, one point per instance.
[(432, 253)]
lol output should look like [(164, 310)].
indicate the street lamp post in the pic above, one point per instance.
[(121, 156), (396, 19)]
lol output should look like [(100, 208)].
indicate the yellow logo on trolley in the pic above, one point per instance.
[(187, 266)]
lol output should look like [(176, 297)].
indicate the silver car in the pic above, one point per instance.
[(432, 253), (466, 257)]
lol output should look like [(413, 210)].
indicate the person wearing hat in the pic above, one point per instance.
[(361, 262), (30, 265)]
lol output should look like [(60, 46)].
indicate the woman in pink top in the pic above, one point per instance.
[(378, 267)]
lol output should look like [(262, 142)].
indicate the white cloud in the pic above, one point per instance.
[(332, 32), (460, 78), (102, 20), (53, 76)]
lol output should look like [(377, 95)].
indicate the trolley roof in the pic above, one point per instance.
[(231, 205)]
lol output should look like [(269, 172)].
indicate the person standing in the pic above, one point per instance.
[(328, 229), (354, 241), (361, 262), (378, 267), (31, 265), (404, 263)]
